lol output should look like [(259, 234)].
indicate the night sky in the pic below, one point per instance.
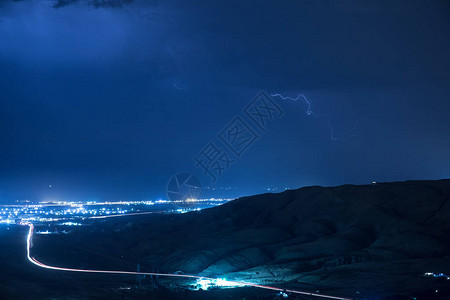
[(107, 100)]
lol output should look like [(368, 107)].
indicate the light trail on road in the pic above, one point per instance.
[(237, 283)]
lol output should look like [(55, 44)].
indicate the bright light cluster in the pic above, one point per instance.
[(205, 284), (56, 212), (46, 232), (70, 224), (431, 274)]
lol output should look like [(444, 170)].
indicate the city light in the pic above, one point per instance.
[(69, 211)]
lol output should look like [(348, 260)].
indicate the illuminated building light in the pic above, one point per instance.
[(71, 224), (45, 232)]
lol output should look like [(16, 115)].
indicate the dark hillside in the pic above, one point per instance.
[(373, 239)]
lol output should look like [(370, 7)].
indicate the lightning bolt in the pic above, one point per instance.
[(300, 96), (346, 136)]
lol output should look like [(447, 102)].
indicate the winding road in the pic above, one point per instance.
[(237, 283)]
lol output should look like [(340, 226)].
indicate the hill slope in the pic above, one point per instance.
[(354, 240)]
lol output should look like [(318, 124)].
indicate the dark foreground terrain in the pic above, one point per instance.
[(364, 242)]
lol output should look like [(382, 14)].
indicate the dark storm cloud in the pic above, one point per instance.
[(93, 3), (329, 43), (4, 2)]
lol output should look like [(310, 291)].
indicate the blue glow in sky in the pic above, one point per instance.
[(108, 102)]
